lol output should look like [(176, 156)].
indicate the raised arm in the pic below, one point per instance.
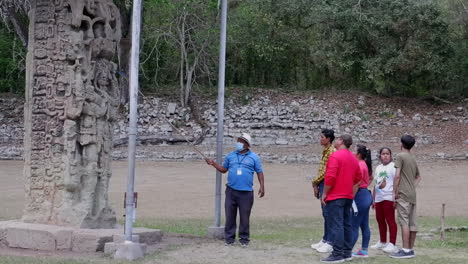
[(216, 166)]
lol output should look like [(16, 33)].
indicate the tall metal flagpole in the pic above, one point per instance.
[(220, 130), (132, 131)]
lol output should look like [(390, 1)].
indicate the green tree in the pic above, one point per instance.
[(15, 19), (12, 62), (180, 43)]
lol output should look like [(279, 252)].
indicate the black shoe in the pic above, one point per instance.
[(244, 244), (401, 254), (228, 243), (348, 256), (333, 259)]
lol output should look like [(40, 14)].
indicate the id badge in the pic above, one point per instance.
[(239, 171)]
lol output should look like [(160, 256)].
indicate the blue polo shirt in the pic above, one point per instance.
[(245, 164)]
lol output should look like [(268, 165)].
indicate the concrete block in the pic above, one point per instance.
[(35, 236), (30, 238), (3, 231), (63, 239), (38, 236), (216, 232), (111, 247), (91, 240), (129, 251), (49, 237)]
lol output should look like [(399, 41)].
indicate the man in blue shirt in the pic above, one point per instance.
[(241, 165)]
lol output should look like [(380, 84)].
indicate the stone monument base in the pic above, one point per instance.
[(17, 234), (129, 250), (216, 232)]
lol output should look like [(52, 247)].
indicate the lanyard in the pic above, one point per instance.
[(240, 162)]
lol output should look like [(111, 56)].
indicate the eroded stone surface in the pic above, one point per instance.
[(72, 97), (91, 240), (37, 236), (18, 234), (148, 236)]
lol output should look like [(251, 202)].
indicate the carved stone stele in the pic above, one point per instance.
[(72, 97)]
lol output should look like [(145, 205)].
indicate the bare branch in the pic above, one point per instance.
[(11, 11)]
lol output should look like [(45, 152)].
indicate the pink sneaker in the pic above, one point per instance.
[(361, 254)]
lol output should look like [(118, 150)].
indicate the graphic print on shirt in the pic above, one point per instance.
[(380, 178)]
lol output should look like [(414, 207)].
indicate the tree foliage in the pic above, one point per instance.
[(391, 47), (12, 62), (387, 46)]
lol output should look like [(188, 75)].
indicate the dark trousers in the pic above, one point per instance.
[(363, 200), (326, 233), (242, 200), (340, 223)]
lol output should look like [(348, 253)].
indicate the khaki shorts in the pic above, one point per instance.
[(406, 214)]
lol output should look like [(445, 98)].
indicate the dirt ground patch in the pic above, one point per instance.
[(178, 190)]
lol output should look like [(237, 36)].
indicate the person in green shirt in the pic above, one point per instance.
[(407, 177)]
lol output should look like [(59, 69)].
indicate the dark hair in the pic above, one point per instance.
[(347, 140), (384, 148), (408, 141), (365, 155), (329, 133)]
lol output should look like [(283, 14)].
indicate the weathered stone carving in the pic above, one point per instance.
[(71, 101)]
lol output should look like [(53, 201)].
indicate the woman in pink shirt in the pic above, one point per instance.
[(363, 200)]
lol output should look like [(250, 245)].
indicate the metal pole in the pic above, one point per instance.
[(132, 131), (220, 130)]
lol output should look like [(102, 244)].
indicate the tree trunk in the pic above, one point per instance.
[(183, 56), (124, 61), (20, 28)]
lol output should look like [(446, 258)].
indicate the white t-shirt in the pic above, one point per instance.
[(384, 172)]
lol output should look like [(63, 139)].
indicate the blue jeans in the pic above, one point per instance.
[(363, 200), (326, 233), (340, 226)]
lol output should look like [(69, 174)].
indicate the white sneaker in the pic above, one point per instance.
[(317, 245), (325, 248), (379, 245), (390, 248)]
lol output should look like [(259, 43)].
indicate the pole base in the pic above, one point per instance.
[(129, 251), (216, 232)]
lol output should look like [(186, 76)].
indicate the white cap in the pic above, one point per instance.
[(247, 138)]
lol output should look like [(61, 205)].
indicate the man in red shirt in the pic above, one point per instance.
[(342, 178)]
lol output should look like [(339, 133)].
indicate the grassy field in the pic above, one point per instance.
[(273, 241)]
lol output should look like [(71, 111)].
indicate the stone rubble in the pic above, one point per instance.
[(273, 122)]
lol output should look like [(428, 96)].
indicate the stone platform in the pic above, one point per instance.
[(17, 234)]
